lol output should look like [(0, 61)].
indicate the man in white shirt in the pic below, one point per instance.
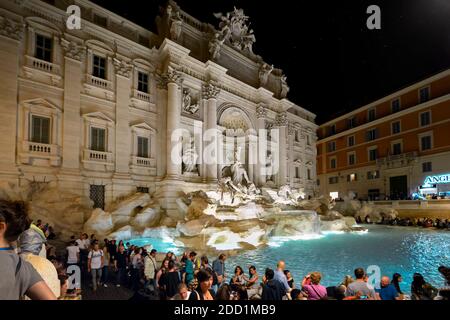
[(95, 264), (83, 244), (150, 270), (73, 254)]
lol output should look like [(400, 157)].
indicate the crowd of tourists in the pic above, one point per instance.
[(152, 275), (437, 223)]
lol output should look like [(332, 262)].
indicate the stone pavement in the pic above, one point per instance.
[(110, 293)]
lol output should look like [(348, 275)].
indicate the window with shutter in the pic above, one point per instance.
[(98, 139), (142, 147), (40, 129)]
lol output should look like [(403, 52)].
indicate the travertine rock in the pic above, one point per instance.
[(100, 223)]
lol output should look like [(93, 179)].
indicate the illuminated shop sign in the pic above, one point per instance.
[(445, 178)]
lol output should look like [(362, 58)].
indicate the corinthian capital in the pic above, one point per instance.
[(11, 29), (73, 50), (122, 67), (261, 112), (281, 119), (210, 91)]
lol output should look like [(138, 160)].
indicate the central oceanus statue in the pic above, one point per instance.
[(235, 179)]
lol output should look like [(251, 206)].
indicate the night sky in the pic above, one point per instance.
[(333, 62)]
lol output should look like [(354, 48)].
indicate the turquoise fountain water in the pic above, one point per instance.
[(394, 249)]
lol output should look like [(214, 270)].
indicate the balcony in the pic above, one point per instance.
[(42, 71), (98, 157), (42, 65), (32, 151), (143, 162), (398, 160), (98, 82)]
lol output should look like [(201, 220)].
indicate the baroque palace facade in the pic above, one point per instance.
[(93, 109)]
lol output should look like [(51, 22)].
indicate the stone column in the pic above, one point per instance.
[(261, 114), (161, 160), (173, 79), (291, 168), (281, 122), (122, 132), (74, 55), (10, 35), (210, 93), (122, 183)]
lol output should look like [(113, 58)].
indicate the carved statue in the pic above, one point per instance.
[(234, 29), (189, 157), (284, 86), (175, 26), (264, 72), (214, 46), (188, 106), (238, 178)]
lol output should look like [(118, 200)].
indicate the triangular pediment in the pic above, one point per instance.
[(143, 126), (41, 102), (98, 115)]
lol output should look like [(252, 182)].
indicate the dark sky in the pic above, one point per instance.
[(334, 64)]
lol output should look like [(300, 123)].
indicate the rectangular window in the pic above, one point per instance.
[(425, 118), (308, 140), (332, 129), (351, 177), (395, 105), (332, 146), (297, 136), (98, 139), (424, 94), (425, 143), (373, 154), (333, 163), (372, 134), (43, 48), (99, 67), (351, 123), (142, 144), (427, 167), (297, 172), (308, 173), (143, 82), (371, 114), (396, 148), (371, 175), (396, 127), (97, 195), (40, 129), (351, 141), (351, 159), (333, 180)]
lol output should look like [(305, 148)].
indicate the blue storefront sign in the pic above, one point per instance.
[(444, 178)]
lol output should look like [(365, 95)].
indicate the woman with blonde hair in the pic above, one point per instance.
[(312, 287)]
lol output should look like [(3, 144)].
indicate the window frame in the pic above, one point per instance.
[(396, 143), (348, 140), (349, 155), (138, 154), (105, 69), (93, 127), (147, 84), (31, 126), (369, 111), (425, 135), (369, 149), (419, 91), (48, 50), (429, 118), (424, 166), (399, 105), (335, 163), (399, 127)]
